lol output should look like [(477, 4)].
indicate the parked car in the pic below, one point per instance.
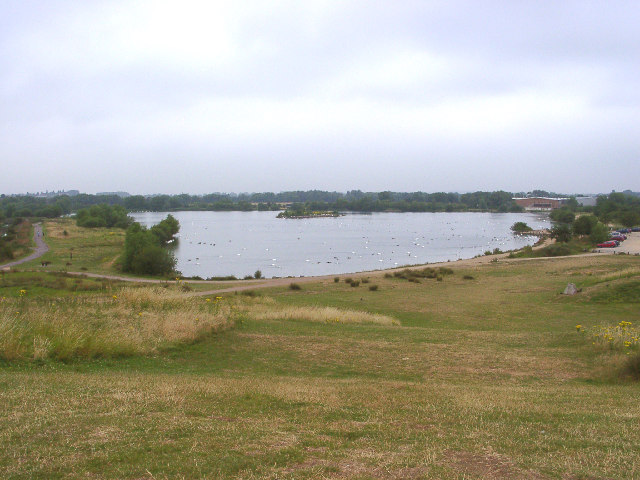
[(635, 229), (625, 230), (608, 244), (620, 238)]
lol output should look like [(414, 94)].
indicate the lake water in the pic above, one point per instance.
[(239, 243)]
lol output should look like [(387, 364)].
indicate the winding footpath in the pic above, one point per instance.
[(41, 248)]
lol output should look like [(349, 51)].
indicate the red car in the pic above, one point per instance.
[(608, 244), (620, 238)]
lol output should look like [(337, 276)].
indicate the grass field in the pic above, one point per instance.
[(480, 375), (75, 248)]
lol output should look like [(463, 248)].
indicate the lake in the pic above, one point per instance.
[(239, 243)]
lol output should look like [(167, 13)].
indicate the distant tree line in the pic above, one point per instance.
[(103, 215), (623, 208)]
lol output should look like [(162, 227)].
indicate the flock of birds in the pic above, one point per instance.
[(387, 252)]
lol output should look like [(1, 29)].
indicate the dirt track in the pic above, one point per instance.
[(41, 248)]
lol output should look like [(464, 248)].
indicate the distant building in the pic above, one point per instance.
[(540, 203), (48, 194), (587, 201), (115, 194)]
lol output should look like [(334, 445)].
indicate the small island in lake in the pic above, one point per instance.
[(293, 212)]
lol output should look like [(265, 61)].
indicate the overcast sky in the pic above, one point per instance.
[(221, 96)]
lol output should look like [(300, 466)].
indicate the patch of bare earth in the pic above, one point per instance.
[(490, 466)]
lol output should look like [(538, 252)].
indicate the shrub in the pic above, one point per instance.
[(355, 283), (561, 232), (336, 279), (599, 233), (257, 275), (373, 288), (144, 255), (348, 280), (468, 277), (562, 215), (294, 286), (520, 227), (388, 275), (365, 280), (584, 224), (439, 278)]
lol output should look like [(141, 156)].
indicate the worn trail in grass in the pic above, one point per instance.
[(483, 378)]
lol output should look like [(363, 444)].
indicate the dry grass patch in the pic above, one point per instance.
[(134, 321), (318, 314)]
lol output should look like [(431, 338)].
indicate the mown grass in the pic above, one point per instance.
[(480, 379)]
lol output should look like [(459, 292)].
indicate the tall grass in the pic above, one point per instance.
[(317, 314), (137, 321)]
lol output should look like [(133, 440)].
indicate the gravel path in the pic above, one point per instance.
[(41, 248)]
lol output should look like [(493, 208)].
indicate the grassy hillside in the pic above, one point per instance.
[(483, 374)]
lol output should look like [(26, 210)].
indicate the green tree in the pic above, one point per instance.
[(584, 224), (599, 233), (561, 232), (562, 215), (166, 229), (143, 254)]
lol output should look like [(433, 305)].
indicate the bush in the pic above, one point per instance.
[(562, 215), (365, 280), (143, 255), (166, 230), (388, 275), (294, 286), (373, 288), (355, 283), (583, 225), (520, 227), (561, 232), (599, 233), (336, 279), (468, 277)]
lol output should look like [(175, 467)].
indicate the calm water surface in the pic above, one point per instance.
[(239, 243)]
